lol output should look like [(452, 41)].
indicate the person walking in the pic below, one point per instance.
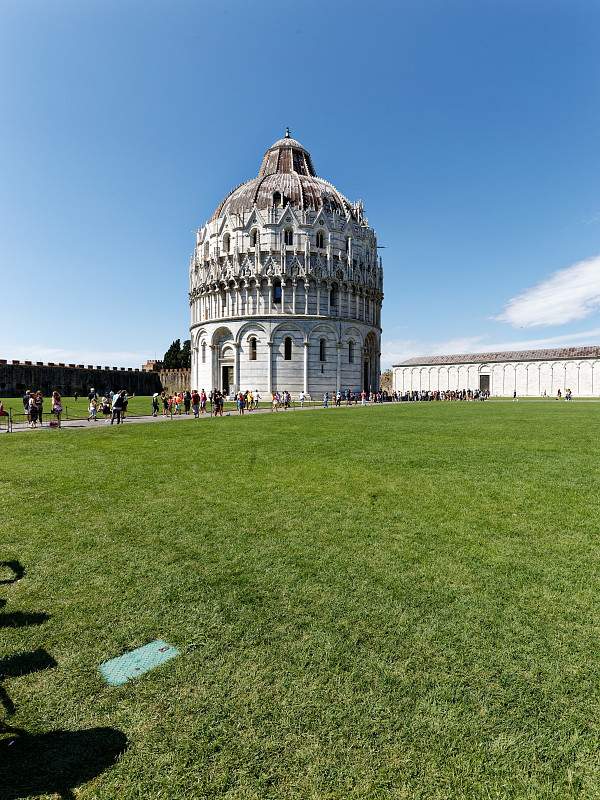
[(125, 404), (117, 408), (25, 400), (39, 402), (326, 400), (92, 410), (57, 408), (187, 401), (155, 404), (32, 412), (195, 400)]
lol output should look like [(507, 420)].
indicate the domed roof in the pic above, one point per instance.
[(286, 168)]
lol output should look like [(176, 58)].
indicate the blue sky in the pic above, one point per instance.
[(469, 129)]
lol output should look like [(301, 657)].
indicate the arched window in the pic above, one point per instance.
[(277, 292), (226, 242), (320, 239), (322, 350), (288, 236), (351, 352), (333, 298), (204, 352), (252, 356), (287, 348), (277, 199), (253, 237)]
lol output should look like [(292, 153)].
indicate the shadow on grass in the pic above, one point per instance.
[(56, 762), (18, 665), (17, 569), (21, 619), (25, 663)]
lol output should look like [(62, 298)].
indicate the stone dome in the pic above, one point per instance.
[(286, 176)]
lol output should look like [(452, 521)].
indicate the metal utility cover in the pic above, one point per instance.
[(131, 665)]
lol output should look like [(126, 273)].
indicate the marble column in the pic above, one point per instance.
[(306, 349)]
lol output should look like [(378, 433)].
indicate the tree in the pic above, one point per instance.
[(186, 354), (172, 358)]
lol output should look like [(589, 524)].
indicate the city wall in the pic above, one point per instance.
[(175, 380), (18, 376)]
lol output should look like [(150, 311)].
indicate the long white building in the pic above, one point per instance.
[(531, 373), (286, 285)]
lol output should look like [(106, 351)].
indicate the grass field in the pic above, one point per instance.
[(396, 602)]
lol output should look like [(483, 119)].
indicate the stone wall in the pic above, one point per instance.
[(175, 380), (17, 376), (527, 378)]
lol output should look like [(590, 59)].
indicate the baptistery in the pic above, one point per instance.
[(286, 286)]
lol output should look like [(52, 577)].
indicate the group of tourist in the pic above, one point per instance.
[(33, 408), (112, 406), (440, 394)]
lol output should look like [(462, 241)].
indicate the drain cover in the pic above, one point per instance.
[(131, 665)]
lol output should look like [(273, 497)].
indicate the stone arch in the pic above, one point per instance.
[(323, 327), (585, 378), (196, 336), (247, 329), (370, 378), (533, 378), (354, 334), (285, 327), (221, 335), (558, 377)]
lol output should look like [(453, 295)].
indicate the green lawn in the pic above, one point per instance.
[(397, 602)]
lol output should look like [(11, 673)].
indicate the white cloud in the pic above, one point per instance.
[(567, 295), (115, 358), (396, 351)]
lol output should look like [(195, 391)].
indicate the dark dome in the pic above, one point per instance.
[(286, 168)]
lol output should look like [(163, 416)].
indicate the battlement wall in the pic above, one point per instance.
[(17, 376)]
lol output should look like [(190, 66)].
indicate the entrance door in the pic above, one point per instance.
[(226, 379), (484, 383), (366, 381)]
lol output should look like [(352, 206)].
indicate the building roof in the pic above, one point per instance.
[(554, 354), (286, 168)]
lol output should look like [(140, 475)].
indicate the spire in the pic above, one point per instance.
[(287, 133)]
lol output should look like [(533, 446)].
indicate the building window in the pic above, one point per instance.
[(320, 239), (206, 249), (226, 242), (277, 199), (204, 352), (288, 236), (322, 350), (277, 292), (287, 348), (253, 348), (351, 352), (333, 299), (253, 237)]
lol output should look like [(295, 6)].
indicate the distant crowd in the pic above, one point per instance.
[(440, 394)]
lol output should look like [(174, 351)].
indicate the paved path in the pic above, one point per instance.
[(81, 424)]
